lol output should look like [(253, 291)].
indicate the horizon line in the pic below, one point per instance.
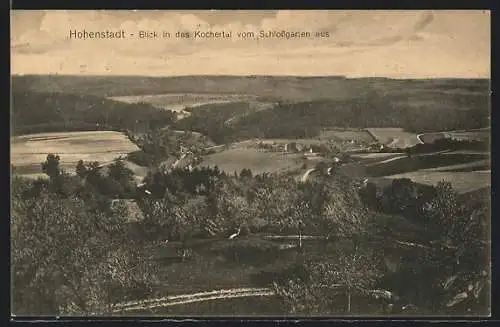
[(256, 75)]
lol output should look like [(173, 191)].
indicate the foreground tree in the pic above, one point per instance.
[(51, 166), (449, 264), (460, 251), (60, 257), (296, 218), (337, 208), (81, 170), (274, 199), (357, 272), (352, 274)]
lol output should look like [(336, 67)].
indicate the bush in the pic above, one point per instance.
[(141, 158)]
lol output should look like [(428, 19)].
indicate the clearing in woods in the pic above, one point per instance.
[(180, 101), (234, 160), (346, 134), (394, 137)]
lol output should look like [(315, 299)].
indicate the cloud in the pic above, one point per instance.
[(358, 41), (38, 41), (347, 29)]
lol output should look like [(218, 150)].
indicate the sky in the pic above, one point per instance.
[(397, 44)]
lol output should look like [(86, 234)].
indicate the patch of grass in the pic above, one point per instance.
[(224, 264), (180, 101), (247, 306), (470, 135), (28, 151), (394, 137), (345, 134), (462, 182), (414, 163), (234, 160), (302, 141), (396, 227), (467, 167), (375, 155)]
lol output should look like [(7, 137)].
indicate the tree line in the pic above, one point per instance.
[(58, 112), (307, 119)]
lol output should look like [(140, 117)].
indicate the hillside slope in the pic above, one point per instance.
[(38, 112), (285, 87), (307, 119)]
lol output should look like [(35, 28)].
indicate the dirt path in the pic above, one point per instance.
[(389, 160), (190, 298), (174, 165), (210, 296), (304, 177)]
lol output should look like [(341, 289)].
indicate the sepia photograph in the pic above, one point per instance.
[(256, 163)]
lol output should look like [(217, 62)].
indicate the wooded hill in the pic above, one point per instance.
[(38, 112)]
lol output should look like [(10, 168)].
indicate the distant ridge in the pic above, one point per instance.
[(253, 76), (295, 88)]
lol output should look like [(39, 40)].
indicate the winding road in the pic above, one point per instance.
[(190, 298), (304, 177)]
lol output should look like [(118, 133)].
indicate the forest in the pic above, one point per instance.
[(74, 252), (63, 112), (402, 249), (307, 119)]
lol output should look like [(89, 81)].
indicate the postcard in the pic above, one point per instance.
[(291, 163)]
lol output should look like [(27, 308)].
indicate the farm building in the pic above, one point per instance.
[(294, 147), (377, 147), (311, 153), (291, 147)]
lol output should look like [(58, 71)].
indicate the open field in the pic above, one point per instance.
[(376, 158), (462, 182), (305, 142), (181, 101), (394, 137), (29, 151), (220, 264), (471, 166), (404, 164), (375, 155), (480, 134), (346, 134), (198, 268), (235, 275), (234, 160)]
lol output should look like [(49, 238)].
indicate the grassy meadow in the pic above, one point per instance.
[(475, 134), (394, 137), (229, 116), (181, 101), (29, 151), (462, 182), (234, 160)]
